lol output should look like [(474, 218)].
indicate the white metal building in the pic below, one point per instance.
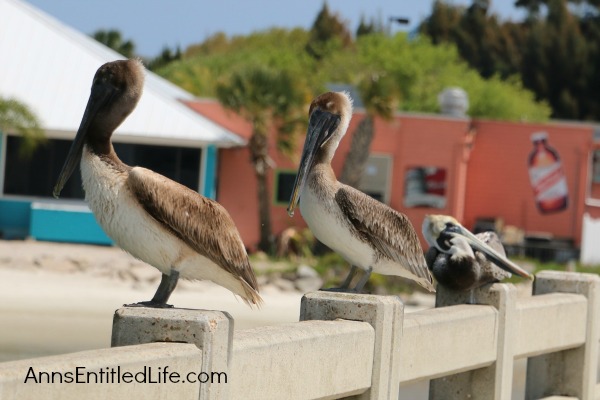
[(50, 67)]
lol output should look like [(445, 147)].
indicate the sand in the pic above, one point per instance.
[(58, 298)]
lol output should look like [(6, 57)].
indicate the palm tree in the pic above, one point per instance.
[(379, 95), (268, 99), (16, 117)]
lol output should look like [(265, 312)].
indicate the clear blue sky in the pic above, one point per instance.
[(153, 24)]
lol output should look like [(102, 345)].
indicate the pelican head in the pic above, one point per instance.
[(116, 89), (449, 236), (329, 116)]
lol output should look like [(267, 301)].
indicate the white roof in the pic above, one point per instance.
[(50, 67)]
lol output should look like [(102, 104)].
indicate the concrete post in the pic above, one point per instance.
[(210, 331), (570, 372), (384, 314), (494, 381)]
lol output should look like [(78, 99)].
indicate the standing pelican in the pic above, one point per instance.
[(161, 222), (462, 261), (366, 233)]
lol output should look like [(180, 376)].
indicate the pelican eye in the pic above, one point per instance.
[(450, 227)]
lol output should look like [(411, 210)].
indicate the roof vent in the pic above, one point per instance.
[(454, 101)]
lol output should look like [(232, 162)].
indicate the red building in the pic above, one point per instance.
[(424, 164)]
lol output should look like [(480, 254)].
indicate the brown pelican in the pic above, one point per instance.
[(460, 260), (161, 222), (366, 233)]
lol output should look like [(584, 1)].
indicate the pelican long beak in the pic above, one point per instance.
[(490, 253), (321, 126), (100, 96)]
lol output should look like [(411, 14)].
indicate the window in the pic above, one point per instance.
[(36, 175), (284, 183), (425, 187), (594, 190), (596, 166), (181, 164), (376, 177)]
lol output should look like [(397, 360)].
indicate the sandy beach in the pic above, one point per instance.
[(57, 298)]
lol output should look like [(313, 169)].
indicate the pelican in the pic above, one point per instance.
[(463, 261), (155, 219), (368, 234)]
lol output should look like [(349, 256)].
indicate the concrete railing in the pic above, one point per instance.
[(349, 345)]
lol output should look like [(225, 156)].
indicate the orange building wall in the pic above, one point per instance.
[(430, 141), (498, 181)]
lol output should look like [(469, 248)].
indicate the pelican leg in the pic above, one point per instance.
[(359, 286), (348, 280), (165, 288), (471, 296), (346, 284)]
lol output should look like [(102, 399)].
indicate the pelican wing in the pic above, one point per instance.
[(385, 229), (203, 224)]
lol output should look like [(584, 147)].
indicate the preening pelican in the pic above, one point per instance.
[(460, 260)]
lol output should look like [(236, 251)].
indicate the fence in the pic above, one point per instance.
[(346, 345)]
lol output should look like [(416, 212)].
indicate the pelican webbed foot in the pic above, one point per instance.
[(149, 304), (345, 286), (165, 288)]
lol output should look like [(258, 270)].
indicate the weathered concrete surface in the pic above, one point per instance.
[(441, 341), (177, 357), (305, 360), (495, 380), (210, 331), (550, 322), (559, 398), (384, 313), (569, 372)]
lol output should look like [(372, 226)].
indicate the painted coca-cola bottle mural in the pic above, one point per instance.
[(547, 176)]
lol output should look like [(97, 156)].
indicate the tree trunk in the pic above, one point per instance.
[(264, 212), (360, 147), (259, 156)]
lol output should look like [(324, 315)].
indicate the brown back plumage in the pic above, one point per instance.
[(201, 223), (387, 230)]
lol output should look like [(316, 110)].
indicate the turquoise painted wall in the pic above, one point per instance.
[(66, 225), (15, 217), (20, 219), (210, 172)]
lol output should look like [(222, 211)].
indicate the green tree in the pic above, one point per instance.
[(16, 117), (442, 23), (328, 33), (556, 50), (166, 56), (112, 38), (269, 99), (485, 43), (557, 65), (202, 64), (367, 28)]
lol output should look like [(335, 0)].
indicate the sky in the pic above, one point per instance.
[(154, 24)]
